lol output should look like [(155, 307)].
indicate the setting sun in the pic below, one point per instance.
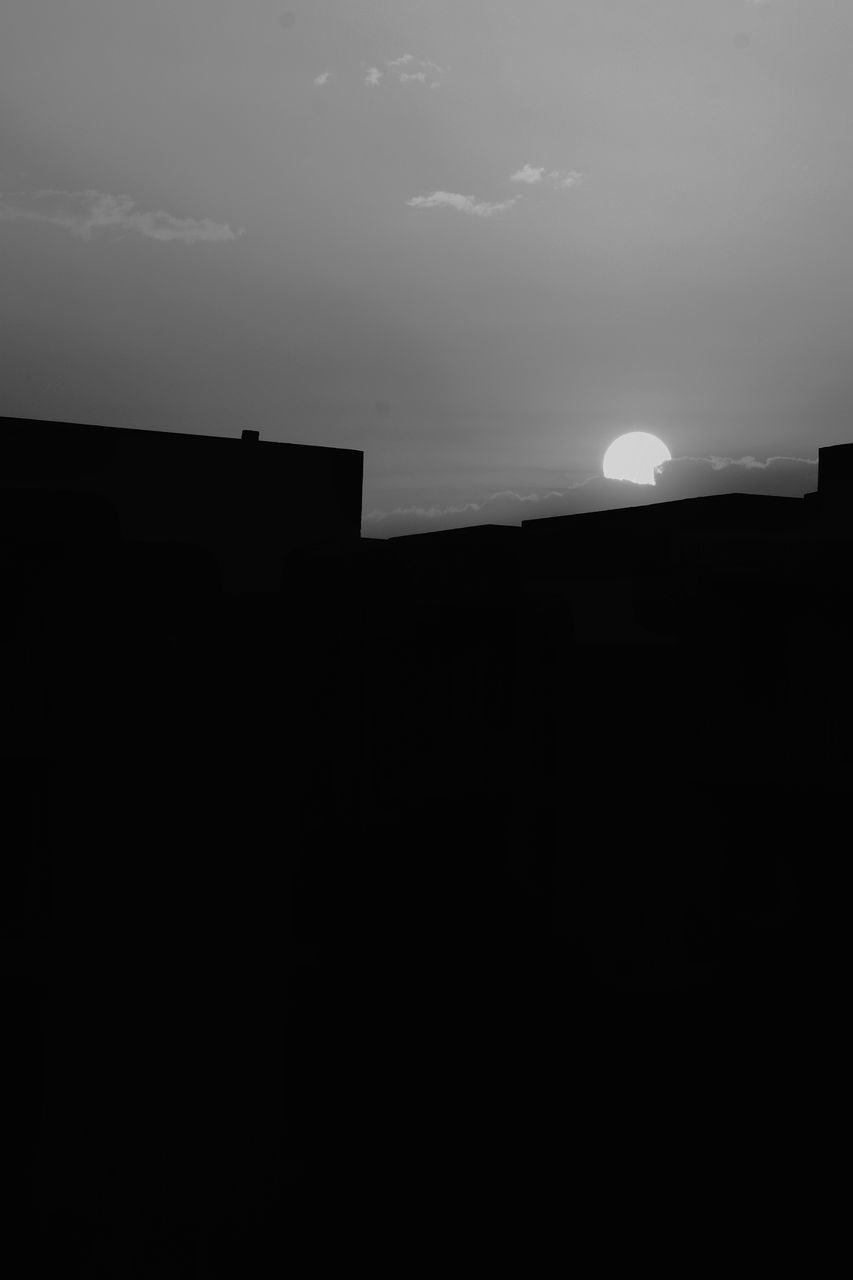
[(634, 457)]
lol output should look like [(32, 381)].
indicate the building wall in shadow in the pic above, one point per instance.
[(248, 501), (412, 791), (186, 714), (835, 472)]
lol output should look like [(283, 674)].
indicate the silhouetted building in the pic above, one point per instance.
[(246, 502), (653, 538), (835, 485), (478, 565), (422, 777)]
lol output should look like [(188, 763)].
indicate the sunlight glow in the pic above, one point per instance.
[(634, 457)]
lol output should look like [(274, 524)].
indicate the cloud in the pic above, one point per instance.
[(559, 177), (82, 213), (694, 477), (424, 65), (322, 78), (679, 478), (528, 174), (564, 180), (465, 204), (420, 69), (429, 513)]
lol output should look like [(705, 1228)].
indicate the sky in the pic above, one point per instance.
[(476, 239)]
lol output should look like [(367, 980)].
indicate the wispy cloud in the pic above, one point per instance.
[(82, 213), (374, 75), (465, 204), (429, 513), (680, 478), (751, 464), (565, 179), (528, 174), (322, 78), (425, 69), (561, 178), (437, 71)]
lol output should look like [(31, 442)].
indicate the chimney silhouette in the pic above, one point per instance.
[(250, 435)]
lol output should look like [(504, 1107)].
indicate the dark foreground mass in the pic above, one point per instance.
[(493, 868)]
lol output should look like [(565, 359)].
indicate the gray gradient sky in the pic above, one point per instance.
[(475, 238)]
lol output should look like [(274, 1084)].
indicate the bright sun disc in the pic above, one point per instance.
[(634, 457)]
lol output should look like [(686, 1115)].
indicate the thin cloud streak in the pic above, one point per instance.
[(532, 174), (679, 478), (407, 60), (103, 212), (528, 174), (565, 180), (464, 204)]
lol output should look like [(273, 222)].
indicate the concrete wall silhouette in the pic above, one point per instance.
[(357, 759), (247, 501), (835, 476), (644, 540), (186, 737)]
